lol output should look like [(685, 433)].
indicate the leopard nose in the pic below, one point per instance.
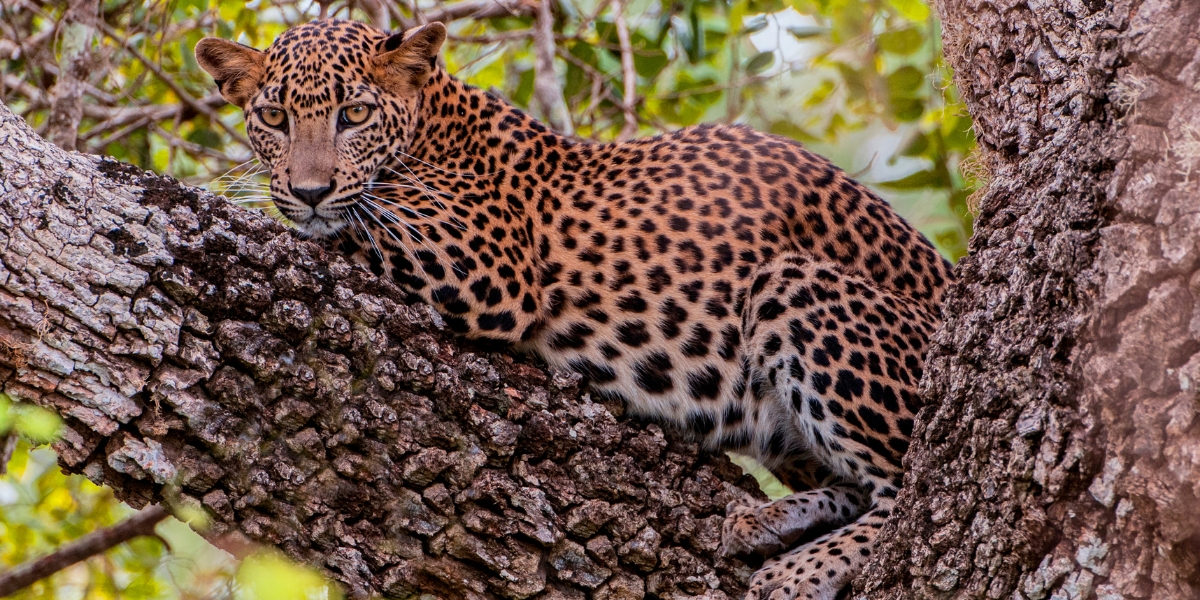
[(312, 196)]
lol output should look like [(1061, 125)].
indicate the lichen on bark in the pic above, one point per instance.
[(201, 351)]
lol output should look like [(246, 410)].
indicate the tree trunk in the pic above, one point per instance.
[(1060, 455), (199, 352)]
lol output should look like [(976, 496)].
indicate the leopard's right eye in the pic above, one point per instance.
[(273, 117)]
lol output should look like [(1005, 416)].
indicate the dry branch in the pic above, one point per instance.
[(629, 74), (66, 103), (199, 349), (547, 89), (479, 9), (97, 542), (170, 82), (8, 444)]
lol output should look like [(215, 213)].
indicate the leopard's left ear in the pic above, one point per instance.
[(409, 58), (237, 69)]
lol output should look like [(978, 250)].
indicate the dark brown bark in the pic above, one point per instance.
[(1060, 454), (200, 351)]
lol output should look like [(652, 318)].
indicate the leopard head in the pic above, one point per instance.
[(327, 107)]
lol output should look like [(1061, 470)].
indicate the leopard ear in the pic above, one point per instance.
[(237, 69), (409, 58)]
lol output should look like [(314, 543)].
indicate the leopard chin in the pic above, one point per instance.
[(320, 227), (314, 225)]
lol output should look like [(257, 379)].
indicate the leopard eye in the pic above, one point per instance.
[(273, 117), (356, 115)]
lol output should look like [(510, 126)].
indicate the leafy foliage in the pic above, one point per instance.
[(859, 81)]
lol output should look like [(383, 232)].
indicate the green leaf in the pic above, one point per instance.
[(902, 42), (913, 10), (958, 134), (855, 79), (918, 180), (756, 24), (36, 423), (804, 33), (206, 136), (907, 109), (916, 146), (904, 81), (765, 6), (267, 575), (791, 130), (524, 92), (649, 64), (759, 62)]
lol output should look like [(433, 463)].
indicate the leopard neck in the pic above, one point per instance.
[(459, 123)]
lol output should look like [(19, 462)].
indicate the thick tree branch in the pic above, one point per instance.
[(200, 349), (94, 543), (1058, 456)]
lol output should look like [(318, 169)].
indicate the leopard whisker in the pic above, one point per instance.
[(391, 234), (416, 214), (353, 212), (415, 180), (435, 167), (414, 232)]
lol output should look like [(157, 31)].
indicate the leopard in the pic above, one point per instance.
[(725, 281)]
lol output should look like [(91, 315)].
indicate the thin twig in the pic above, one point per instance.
[(94, 543), (171, 83), (495, 38), (629, 74), (8, 444), (477, 9)]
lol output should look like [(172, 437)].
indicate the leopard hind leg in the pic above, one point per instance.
[(837, 360)]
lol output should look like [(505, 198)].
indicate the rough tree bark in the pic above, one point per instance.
[(200, 352), (1060, 453)]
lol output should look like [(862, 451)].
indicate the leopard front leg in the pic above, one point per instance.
[(835, 361), (821, 569), (771, 528)]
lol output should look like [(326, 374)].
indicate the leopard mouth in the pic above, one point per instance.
[(320, 227), (319, 223)]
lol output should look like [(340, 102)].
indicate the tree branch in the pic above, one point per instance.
[(547, 89), (66, 100), (199, 349), (479, 9), (8, 443), (97, 542), (170, 82), (629, 101)]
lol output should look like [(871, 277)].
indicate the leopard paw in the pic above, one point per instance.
[(788, 578), (746, 532)]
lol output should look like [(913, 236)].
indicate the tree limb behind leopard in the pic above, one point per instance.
[(726, 281)]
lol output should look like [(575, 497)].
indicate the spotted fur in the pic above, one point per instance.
[(717, 278)]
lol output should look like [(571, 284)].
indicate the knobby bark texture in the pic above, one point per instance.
[(1060, 453), (200, 352)]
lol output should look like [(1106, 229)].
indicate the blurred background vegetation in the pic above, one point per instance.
[(859, 81)]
